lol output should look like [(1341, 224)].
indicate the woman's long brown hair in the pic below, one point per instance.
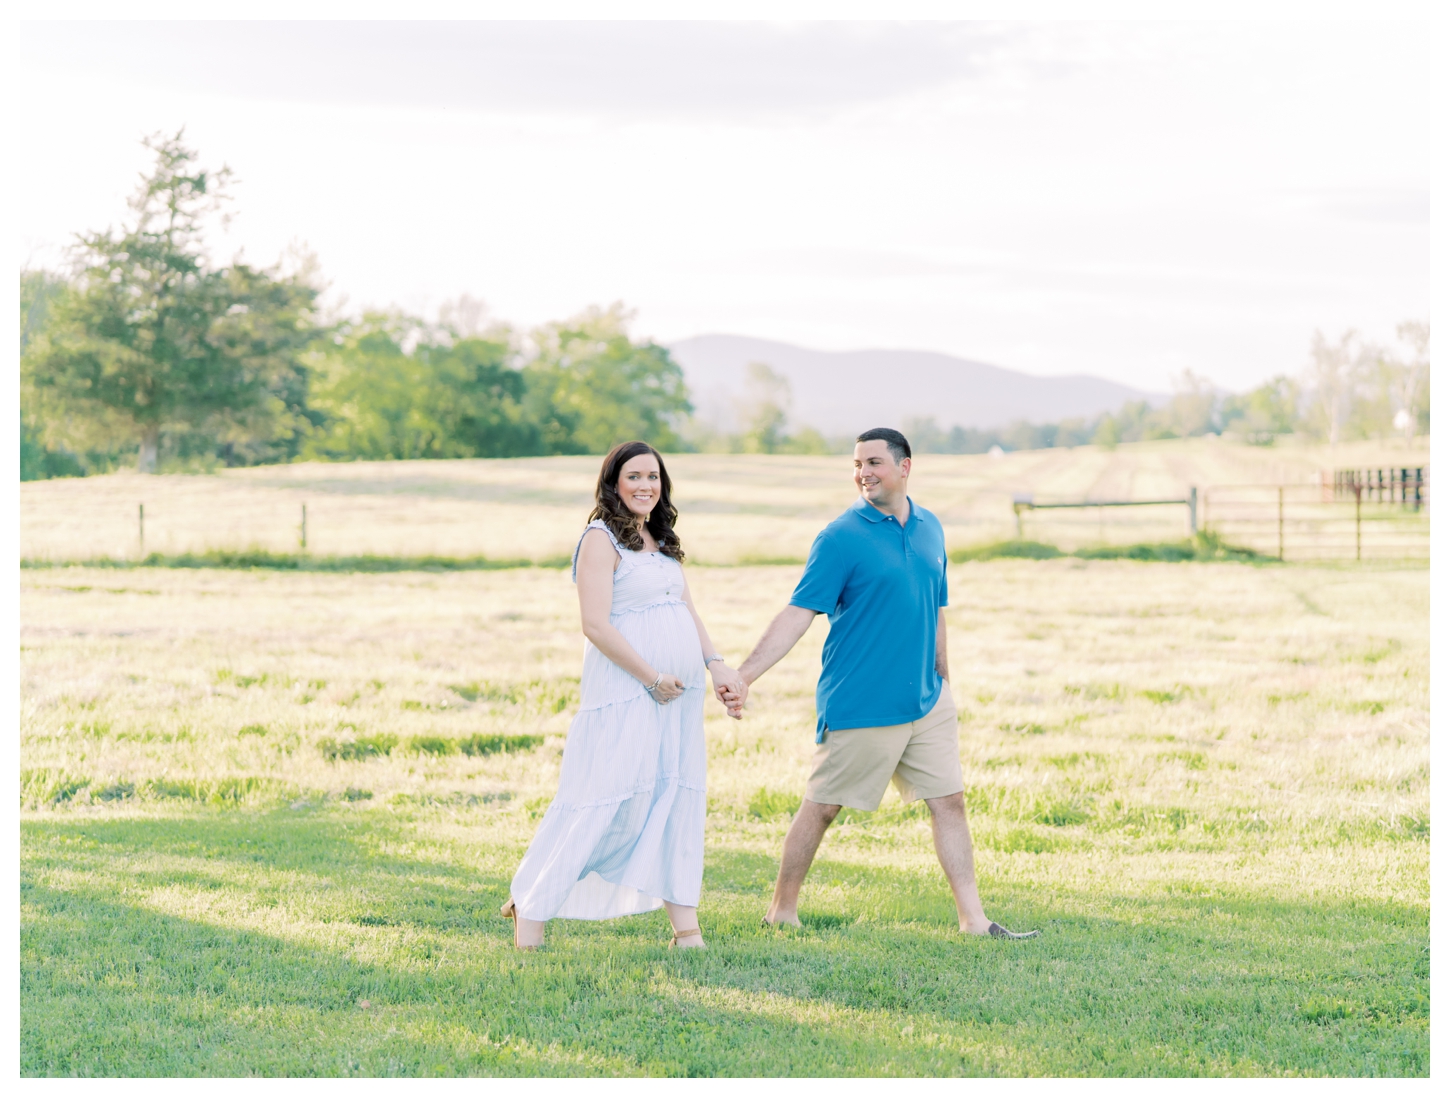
[(620, 519)]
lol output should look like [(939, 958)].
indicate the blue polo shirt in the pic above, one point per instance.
[(881, 585)]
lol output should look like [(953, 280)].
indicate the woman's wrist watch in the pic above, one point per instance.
[(711, 659)]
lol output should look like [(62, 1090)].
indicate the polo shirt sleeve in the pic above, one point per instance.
[(945, 560), (941, 541), (824, 579)]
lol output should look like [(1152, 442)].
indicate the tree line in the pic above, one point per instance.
[(1350, 389), (147, 351)]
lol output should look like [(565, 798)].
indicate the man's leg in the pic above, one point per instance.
[(801, 842), (954, 850)]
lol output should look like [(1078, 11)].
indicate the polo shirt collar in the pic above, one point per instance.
[(871, 514)]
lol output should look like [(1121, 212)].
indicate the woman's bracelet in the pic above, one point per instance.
[(651, 687)]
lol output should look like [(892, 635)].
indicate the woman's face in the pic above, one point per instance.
[(639, 484)]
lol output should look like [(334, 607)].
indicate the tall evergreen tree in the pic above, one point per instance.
[(150, 337)]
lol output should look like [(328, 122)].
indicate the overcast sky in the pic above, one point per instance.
[(1127, 200)]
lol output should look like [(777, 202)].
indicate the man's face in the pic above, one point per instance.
[(878, 478)]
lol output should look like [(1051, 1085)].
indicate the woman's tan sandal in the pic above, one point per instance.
[(693, 932)]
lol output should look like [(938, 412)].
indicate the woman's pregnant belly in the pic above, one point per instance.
[(664, 635)]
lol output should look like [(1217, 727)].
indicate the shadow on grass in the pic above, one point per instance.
[(246, 943)]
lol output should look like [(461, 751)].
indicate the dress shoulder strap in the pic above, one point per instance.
[(597, 524)]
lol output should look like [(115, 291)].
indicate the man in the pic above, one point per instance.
[(884, 709)]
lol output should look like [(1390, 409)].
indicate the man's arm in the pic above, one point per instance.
[(789, 626), (941, 645)]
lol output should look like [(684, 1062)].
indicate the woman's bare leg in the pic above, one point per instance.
[(685, 918), (528, 933)]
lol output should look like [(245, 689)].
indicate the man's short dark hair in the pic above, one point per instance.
[(895, 441)]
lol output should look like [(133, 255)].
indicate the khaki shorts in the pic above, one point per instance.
[(853, 765)]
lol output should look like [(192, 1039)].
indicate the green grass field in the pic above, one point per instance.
[(268, 819)]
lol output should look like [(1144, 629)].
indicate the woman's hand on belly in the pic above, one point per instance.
[(667, 689)]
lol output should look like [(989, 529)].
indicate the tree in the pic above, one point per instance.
[(1260, 414), (1331, 376), (1108, 434), (1408, 378), (1191, 411), (590, 386), (151, 338), (767, 404), (368, 392), (38, 292), (446, 398), (479, 396)]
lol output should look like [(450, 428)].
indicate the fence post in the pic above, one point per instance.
[(1021, 501), (141, 528), (1193, 511), (1281, 523), (303, 528), (1357, 493)]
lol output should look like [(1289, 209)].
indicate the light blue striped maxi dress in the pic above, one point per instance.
[(627, 829)]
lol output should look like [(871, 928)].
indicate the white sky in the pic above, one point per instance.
[(1122, 199)]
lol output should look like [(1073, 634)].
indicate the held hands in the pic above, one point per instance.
[(730, 688)]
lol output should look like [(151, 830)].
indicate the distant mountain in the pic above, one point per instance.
[(845, 392)]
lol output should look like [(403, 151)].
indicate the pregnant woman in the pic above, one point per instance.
[(626, 832)]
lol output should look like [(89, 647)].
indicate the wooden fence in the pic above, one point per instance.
[(1360, 521), (1407, 486)]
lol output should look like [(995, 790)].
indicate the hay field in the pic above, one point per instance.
[(1207, 783), (735, 508)]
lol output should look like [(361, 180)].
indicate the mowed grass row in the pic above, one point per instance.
[(268, 819), (734, 508)]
